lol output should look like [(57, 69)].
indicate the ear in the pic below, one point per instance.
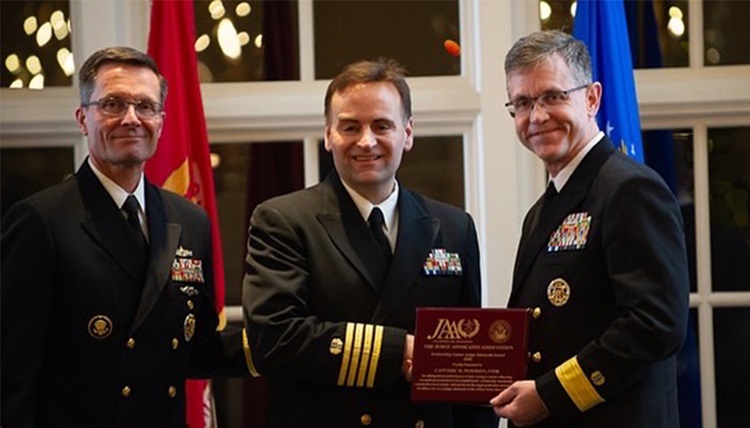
[(593, 98), (409, 130), (161, 125), (327, 138), (81, 120)]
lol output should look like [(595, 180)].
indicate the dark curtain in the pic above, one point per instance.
[(275, 168)]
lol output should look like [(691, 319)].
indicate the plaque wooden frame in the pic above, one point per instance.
[(468, 355)]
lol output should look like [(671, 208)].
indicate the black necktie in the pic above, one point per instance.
[(131, 209), (376, 222), (551, 192), (549, 195)]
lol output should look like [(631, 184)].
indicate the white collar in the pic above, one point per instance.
[(564, 175), (117, 193), (388, 206)]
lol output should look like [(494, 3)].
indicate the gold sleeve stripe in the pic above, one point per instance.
[(365, 358), (356, 350), (378, 342), (347, 353), (248, 355), (578, 387)]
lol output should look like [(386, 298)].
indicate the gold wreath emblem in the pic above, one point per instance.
[(468, 328), (100, 327), (558, 292)]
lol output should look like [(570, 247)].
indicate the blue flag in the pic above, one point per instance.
[(601, 25)]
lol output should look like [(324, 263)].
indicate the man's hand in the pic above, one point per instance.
[(408, 356), (520, 403)]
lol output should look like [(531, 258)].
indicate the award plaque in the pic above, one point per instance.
[(468, 355)]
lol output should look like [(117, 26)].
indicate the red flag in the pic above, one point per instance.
[(182, 163)]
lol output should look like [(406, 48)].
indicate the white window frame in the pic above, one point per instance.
[(502, 179)]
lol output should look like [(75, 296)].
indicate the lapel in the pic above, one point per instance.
[(575, 191), (417, 231), (349, 232), (164, 237), (106, 225)]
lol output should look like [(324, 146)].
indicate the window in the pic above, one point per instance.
[(36, 49)]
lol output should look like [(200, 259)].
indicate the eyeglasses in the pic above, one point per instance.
[(522, 106), (117, 107)]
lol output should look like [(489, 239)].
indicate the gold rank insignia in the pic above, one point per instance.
[(558, 292), (182, 252), (189, 290), (189, 327), (100, 327), (571, 234), (360, 356)]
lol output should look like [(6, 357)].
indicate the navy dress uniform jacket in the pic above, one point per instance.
[(85, 342), (328, 327), (613, 290)]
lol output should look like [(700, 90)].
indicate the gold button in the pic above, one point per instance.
[(190, 304), (131, 343), (172, 391), (175, 343), (537, 357), (597, 378), (126, 391), (419, 424), (537, 313), (366, 419), (336, 346)]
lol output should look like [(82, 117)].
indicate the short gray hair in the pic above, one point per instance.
[(116, 55), (530, 50)]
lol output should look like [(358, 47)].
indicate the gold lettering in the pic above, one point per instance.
[(446, 329)]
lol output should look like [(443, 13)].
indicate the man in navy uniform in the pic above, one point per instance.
[(335, 272), (601, 258), (107, 283)]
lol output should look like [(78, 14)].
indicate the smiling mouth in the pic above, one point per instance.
[(542, 132), (367, 158)]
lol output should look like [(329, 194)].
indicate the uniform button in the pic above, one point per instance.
[(126, 391), (131, 343), (536, 313), (537, 357), (175, 343), (172, 391), (190, 304), (365, 419), (419, 424)]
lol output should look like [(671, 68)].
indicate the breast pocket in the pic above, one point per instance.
[(438, 290)]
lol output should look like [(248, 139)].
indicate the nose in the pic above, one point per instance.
[(367, 140), (130, 117), (538, 112)]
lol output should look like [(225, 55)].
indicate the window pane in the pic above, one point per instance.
[(247, 175), (434, 168), (35, 46), (729, 187), (732, 353), (26, 171), (247, 40), (411, 32), (670, 153), (658, 30), (725, 32)]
